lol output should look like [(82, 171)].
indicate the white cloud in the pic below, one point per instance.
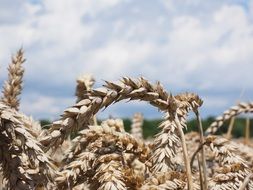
[(117, 58), (42, 106), (190, 44)]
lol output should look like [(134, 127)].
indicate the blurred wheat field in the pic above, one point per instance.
[(105, 156)]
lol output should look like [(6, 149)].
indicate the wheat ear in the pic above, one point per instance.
[(170, 138), (233, 111), (232, 168), (25, 165), (136, 127), (79, 115), (13, 86), (103, 143)]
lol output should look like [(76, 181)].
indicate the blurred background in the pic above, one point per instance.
[(198, 46)]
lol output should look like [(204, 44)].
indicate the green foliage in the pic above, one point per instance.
[(151, 127), (45, 123), (127, 124)]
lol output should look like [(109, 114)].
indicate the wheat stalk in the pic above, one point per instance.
[(203, 159), (246, 182), (13, 86)]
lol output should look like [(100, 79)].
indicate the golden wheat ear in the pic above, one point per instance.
[(242, 107), (97, 157), (13, 86), (24, 164), (136, 127), (232, 169)]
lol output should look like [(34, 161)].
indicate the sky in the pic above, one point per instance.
[(205, 47)]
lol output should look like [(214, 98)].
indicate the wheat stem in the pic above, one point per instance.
[(247, 131), (185, 154), (246, 181), (200, 173), (203, 156), (230, 128)]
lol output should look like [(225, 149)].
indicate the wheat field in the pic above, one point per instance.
[(105, 156)]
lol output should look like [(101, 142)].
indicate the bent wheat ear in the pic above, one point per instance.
[(79, 115), (228, 114), (13, 86)]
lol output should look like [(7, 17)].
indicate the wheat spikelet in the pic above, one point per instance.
[(136, 127), (84, 84), (165, 180), (245, 151), (71, 175), (25, 165), (115, 124), (232, 112), (13, 86), (109, 173), (59, 154)]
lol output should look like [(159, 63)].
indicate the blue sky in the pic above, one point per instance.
[(199, 46)]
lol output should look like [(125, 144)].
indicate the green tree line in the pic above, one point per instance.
[(150, 126)]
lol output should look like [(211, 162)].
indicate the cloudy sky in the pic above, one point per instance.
[(204, 47)]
